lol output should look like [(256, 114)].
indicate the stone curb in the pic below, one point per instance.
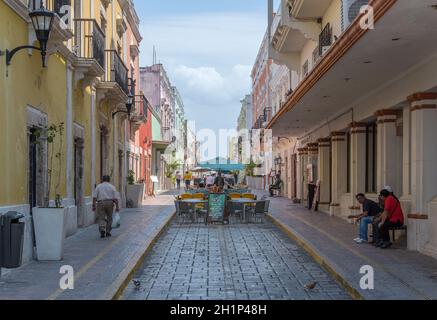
[(115, 291), (318, 257)]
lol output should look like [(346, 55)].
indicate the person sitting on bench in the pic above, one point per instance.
[(277, 185), (392, 217), (370, 210)]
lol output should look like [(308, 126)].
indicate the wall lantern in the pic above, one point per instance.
[(42, 21), (129, 105)]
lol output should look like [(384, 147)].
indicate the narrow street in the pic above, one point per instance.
[(232, 262)]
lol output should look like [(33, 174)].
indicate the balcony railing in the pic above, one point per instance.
[(325, 39), (290, 5), (276, 21), (52, 5), (89, 40), (116, 71), (141, 104)]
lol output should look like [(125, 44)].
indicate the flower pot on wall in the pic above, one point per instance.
[(50, 232), (134, 195)]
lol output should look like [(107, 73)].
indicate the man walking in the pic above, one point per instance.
[(187, 179), (219, 182), (178, 180), (105, 196)]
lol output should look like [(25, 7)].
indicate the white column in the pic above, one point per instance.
[(324, 173), (358, 162), (339, 170), (301, 174), (422, 222), (406, 185), (69, 135), (387, 151), (93, 137), (114, 152)]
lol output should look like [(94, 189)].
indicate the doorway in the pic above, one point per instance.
[(78, 179)]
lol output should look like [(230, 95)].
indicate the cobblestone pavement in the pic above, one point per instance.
[(236, 262)]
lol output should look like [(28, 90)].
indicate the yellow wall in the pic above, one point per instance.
[(27, 84), (333, 16)]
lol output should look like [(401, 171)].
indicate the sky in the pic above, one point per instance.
[(208, 48)]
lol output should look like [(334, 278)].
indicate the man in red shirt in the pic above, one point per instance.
[(391, 218)]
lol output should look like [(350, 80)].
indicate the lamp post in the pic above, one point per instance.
[(42, 21), (129, 104)]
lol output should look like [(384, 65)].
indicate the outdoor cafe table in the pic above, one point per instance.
[(193, 202), (245, 203)]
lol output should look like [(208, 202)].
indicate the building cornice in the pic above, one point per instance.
[(346, 41)]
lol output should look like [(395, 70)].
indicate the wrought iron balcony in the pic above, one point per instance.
[(89, 40), (61, 29), (140, 109), (325, 39), (52, 5), (116, 71)]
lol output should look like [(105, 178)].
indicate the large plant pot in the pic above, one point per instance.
[(50, 232), (134, 195)]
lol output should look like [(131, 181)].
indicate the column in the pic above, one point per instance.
[(313, 157), (387, 151), (93, 137), (422, 221), (339, 170), (69, 136), (324, 173), (300, 175), (406, 176), (358, 163)]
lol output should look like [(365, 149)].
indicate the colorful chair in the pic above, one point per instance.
[(235, 196), (249, 196), (186, 196)]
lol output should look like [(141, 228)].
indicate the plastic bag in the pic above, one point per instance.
[(116, 220)]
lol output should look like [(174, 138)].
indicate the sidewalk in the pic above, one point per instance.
[(101, 266), (399, 273)]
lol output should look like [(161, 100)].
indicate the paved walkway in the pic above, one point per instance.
[(101, 266), (230, 262), (399, 273)]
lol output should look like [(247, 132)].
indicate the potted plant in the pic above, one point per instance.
[(50, 220), (134, 191), (170, 168)]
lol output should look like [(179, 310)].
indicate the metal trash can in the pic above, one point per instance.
[(11, 240)]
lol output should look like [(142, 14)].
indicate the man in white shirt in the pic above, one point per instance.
[(105, 196), (210, 181)]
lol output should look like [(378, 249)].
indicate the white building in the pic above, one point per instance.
[(365, 108)]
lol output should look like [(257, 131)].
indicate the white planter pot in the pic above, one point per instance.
[(50, 232), (135, 193)]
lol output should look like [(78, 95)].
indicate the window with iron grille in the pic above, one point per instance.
[(305, 68), (325, 39), (316, 55)]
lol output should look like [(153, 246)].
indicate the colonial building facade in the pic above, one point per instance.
[(92, 66), (363, 110)]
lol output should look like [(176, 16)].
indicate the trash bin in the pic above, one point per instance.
[(11, 240)]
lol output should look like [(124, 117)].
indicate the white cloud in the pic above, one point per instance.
[(209, 58)]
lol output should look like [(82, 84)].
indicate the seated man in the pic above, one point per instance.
[(276, 186), (370, 210)]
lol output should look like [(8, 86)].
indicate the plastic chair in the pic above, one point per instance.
[(185, 211), (260, 211), (234, 211), (267, 206), (200, 196), (235, 196)]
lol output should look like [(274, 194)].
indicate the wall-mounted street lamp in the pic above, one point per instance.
[(42, 21), (129, 104)]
